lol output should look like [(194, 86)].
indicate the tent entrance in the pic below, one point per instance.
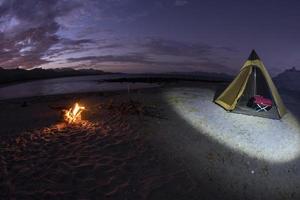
[(256, 85)]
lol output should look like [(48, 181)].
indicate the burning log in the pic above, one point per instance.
[(73, 115)]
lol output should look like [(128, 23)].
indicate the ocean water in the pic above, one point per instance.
[(67, 85)]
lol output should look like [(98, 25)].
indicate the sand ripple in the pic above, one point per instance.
[(91, 160)]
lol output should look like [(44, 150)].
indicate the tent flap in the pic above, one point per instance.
[(228, 99)]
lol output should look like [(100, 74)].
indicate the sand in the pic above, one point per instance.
[(143, 145), (108, 155), (232, 156), (267, 139)]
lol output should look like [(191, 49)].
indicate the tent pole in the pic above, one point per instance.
[(254, 84)]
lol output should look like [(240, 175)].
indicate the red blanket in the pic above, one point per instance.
[(262, 101)]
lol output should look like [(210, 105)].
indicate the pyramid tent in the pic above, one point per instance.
[(253, 79)]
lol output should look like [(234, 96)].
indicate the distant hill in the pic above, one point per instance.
[(174, 77), (16, 75), (288, 80), (209, 76)]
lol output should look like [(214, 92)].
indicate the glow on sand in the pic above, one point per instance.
[(275, 141)]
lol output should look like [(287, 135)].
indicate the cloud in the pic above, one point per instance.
[(28, 29), (67, 48), (130, 58), (228, 49), (115, 10), (33, 13), (146, 63), (34, 33), (160, 46), (161, 55), (180, 2), (26, 48)]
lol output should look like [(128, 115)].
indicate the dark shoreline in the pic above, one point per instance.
[(162, 80)]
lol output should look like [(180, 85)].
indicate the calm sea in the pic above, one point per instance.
[(67, 85)]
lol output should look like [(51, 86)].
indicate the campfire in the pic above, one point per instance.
[(73, 115)]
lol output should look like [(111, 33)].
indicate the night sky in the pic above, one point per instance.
[(149, 36)]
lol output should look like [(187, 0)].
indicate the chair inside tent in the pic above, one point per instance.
[(256, 87), (253, 92)]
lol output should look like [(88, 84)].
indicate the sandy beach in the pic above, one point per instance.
[(108, 155), (141, 146)]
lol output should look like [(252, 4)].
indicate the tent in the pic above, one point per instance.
[(253, 79)]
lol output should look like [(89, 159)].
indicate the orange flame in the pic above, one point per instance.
[(73, 115)]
